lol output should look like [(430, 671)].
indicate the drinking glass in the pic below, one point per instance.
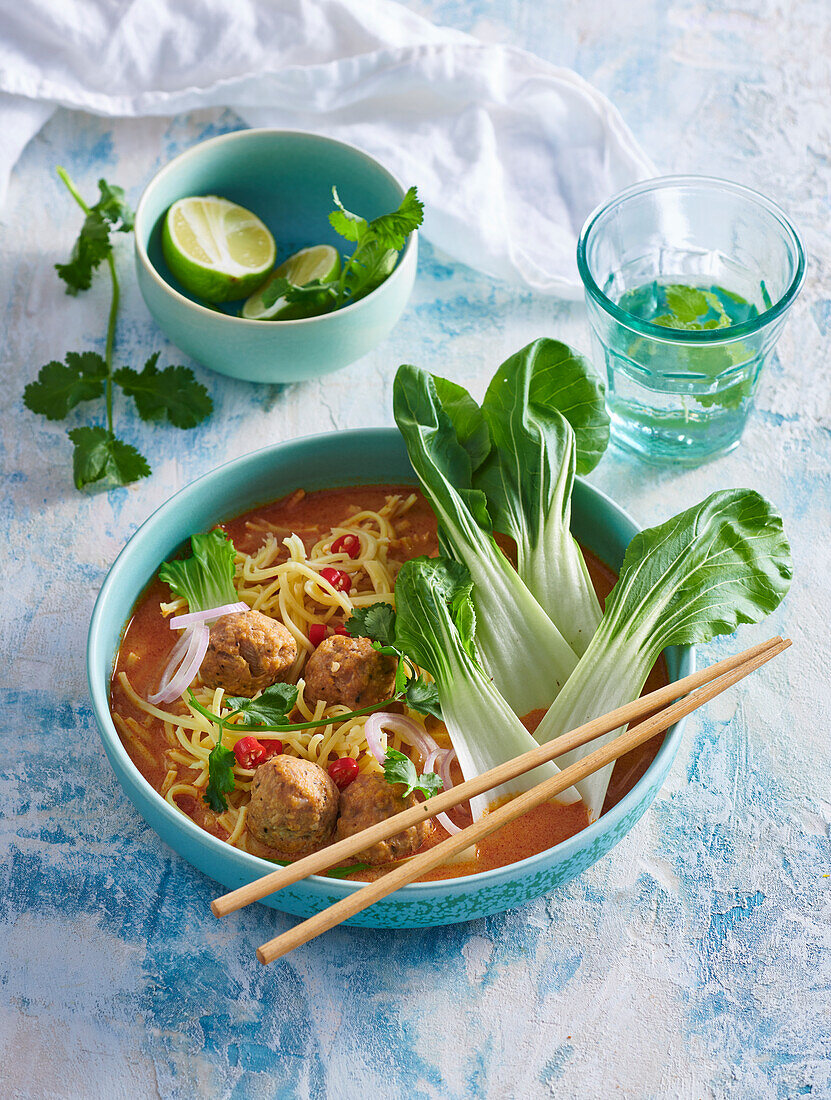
[(684, 394)]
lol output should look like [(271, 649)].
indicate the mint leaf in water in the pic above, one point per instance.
[(687, 303)]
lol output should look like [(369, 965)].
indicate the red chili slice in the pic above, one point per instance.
[(347, 544), (249, 752), (271, 748), (317, 632), (343, 771), (341, 629), (339, 580)]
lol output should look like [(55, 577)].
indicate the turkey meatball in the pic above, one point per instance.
[(349, 671), (247, 652), (369, 799), (294, 806)]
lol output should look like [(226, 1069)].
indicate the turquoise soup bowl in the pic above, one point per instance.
[(286, 179), (316, 462)]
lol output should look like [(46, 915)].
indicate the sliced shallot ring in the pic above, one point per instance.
[(194, 617), (446, 822), (431, 760), (448, 825), (406, 728), (444, 769), (375, 737), (177, 655), (184, 675)]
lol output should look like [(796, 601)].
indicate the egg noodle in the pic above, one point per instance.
[(282, 579)]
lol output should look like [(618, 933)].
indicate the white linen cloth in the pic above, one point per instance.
[(509, 152)]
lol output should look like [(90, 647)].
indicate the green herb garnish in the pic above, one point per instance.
[(377, 244), (220, 776), (377, 622), (399, 768), (333, 872), (172, 393)]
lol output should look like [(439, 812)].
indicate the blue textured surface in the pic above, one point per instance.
[(694, 960)]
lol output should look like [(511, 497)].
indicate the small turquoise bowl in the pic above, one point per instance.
[(286, 179), (317, 462)]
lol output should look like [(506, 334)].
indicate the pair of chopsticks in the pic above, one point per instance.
[(689, 693)]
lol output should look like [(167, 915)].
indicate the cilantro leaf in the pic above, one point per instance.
[(93, 244), (113, 207), (343, 221), (319, 294), (398, 768), (62, 386), (91, 247), (376, 622), (277, 288), (400, 684), (392, 230), (171, 393), (220, 777), (423, 697), (101, 456), (272, 708), (368, 269)]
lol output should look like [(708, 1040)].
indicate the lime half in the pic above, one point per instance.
[(319, 262), (217, 250)]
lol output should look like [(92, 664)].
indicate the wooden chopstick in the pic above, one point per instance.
[(343, 850), (354, 903)]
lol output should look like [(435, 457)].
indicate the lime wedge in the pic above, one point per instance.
[(217, 250), (319, 262)]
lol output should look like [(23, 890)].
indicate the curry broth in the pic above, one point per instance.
[(148, 641)]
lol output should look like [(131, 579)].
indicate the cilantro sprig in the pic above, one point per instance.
[(399, 768), (377, 244), (172, 393)]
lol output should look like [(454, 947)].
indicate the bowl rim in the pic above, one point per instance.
[(708, 337), (248, 863), (192, 153)]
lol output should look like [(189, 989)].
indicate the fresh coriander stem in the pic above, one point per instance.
[(290, 727), (108, 349), (345, 270), (72, 189)]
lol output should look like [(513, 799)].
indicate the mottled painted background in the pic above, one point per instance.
[(694, 960)]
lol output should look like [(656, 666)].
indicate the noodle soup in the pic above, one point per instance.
[(282, 551)]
